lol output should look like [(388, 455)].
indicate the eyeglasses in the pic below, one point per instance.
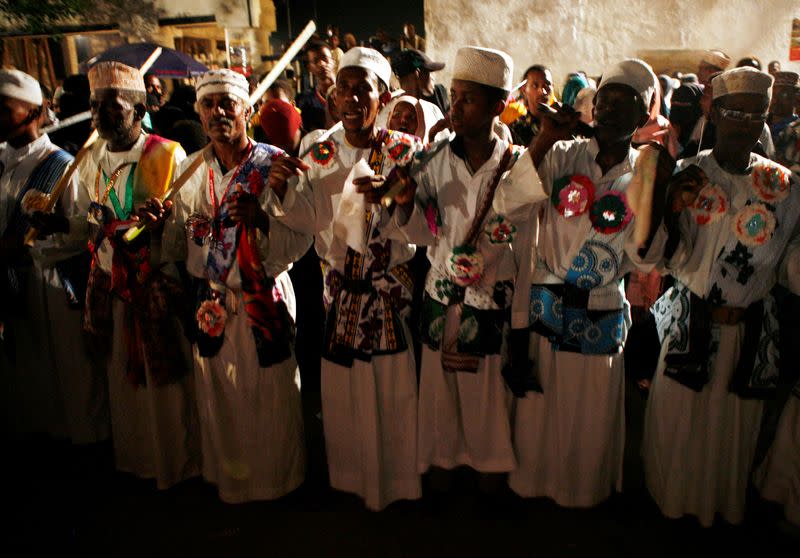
[(739, 116)]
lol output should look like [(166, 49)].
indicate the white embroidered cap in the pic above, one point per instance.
[(223, 81), (115, 75), (369, 59), (716, 58), (19, 85), (634, 73), (486, 66), (742, 80)]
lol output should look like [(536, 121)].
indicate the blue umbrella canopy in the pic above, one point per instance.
[(170, 64)]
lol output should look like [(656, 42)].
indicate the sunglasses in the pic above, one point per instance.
[(739, 116)]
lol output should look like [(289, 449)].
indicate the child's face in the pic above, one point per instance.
[(404, 118)]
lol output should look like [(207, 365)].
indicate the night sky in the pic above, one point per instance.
[(360, 17)]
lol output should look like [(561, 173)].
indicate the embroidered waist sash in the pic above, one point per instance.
[(367, 304), (149, 328), (366, 317), (482, 320), (684, 321), (560, 313)]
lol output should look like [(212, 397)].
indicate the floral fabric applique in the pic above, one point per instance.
[(499, 230), (400, 148), (465, 265), (572, 195), (754, 224), (211, 318), (771, 183), (710, 206), (322, 153), (610, 212)]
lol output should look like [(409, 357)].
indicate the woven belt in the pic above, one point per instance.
[(727, 315)]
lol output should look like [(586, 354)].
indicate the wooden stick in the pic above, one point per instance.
[(283, 61), (61, 185), (268, 80), (68, 121), (131, 234)]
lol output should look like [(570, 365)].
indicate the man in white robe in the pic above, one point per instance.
[(246, 376), (51, 385), (734, 235), (472, 204), (369, 385), (132, 308), (569, 429)]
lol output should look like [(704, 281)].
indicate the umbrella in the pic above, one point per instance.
[(171, 64)]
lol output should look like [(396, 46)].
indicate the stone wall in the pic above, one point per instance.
[(569, 35)]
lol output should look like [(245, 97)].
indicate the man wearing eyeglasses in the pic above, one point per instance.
[(246, 376), (734, 232)]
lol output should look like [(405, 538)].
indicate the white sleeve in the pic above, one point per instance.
[(297, 210), (413, 227)]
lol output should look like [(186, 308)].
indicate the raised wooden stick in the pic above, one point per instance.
[(268, 80)]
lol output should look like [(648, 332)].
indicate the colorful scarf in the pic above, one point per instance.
[(152, 299), (267, 314)]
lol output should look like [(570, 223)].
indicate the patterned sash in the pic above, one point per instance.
[(152, 299), (683, 320), (561, 312), (459, 322), (368, 304), (267, 314)]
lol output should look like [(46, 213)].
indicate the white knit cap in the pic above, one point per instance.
[(634, 73), (21, 86), (369, 59), (223, 81), (742, 80), (115, 75), (486, 66)]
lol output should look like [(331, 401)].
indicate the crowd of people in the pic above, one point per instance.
[(465, 274)]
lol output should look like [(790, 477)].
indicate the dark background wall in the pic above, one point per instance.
[(360, 17)]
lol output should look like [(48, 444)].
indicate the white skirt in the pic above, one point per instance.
[(369, 416), (698, 447), (464, 418), (154, 428), (778, 477), (570, 439), (251, 418), (53, 387)]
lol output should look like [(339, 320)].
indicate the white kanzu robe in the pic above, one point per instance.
[(698, 447), (464, 418), (53, 386), (251, 418), (154, 428), (778, 477), (570, 438), (369, 409)]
